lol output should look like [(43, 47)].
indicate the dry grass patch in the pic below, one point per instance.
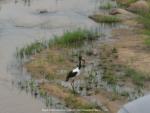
[(72, 101), (54, 90), (50, 63), (114, 105), (131, 50), (135, 59)]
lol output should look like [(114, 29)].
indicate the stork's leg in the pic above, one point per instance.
[(72, 84)]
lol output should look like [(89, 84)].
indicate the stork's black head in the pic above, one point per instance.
[(80, 57)]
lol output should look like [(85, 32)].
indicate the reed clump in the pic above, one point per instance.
[(74, 38)]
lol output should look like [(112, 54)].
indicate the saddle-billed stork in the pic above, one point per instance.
[(76, 71)]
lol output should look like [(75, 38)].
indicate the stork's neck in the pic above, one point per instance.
[(79, 64)]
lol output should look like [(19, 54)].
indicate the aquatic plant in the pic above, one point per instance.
[(75, 38), (107, 5), (31, 49), (68, 39)]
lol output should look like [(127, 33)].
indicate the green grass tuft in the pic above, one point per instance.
[(110, 78), (35, 47), (69, 39), (147, 42), (144, 18), (137, 77), (75, 38), (105, 18), (74, 103), (125, 3), (146, 32), (107, 5)]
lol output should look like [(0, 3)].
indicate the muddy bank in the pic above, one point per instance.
[(105, 77)]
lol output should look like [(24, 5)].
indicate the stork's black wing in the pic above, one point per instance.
[(70, 75)]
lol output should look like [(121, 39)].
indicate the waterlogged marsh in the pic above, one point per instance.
[(22, 23)]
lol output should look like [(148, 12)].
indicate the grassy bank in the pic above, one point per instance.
[(51, 61), (105, 18), (125, 3), (144, 19), (71, 101), (107, 6)]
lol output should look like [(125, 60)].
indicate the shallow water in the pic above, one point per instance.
[(22, 23)]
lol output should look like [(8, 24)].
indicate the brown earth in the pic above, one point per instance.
[(140, 5), (131, 49)]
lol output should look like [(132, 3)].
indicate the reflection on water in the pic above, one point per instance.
[(27, 2)]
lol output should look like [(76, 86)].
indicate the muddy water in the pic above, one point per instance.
[(24, 21)]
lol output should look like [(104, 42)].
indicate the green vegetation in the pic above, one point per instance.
[(75, 38), (74, 102), (110, 78), (137, 77), (105, 18), (144, 19), (68, 39), (107, 5), (35, 47), (111, 68), (125, 3), (146, 32), (125, 94), (147, 42)]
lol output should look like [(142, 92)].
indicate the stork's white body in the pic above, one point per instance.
[(77, 70)]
